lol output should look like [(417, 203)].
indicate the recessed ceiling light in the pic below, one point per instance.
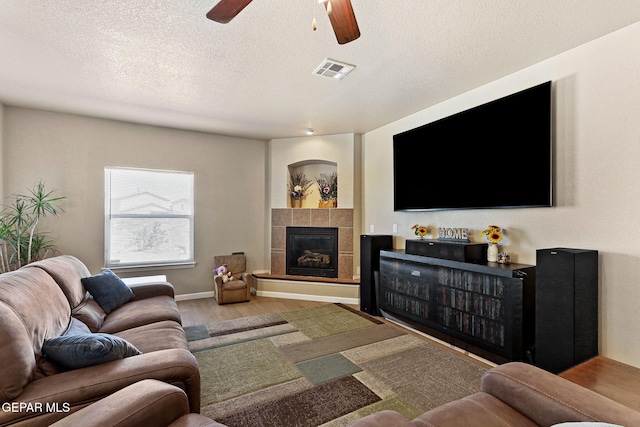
[(333, 69), (309, 131)]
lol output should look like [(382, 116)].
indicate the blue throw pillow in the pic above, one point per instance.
[(79, 351), (108, 290)]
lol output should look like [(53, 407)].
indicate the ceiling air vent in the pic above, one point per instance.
[(333, 69)]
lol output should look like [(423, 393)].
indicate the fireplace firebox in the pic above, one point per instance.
[(312, 251)]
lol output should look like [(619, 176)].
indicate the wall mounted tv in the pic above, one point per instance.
[(496, 155)]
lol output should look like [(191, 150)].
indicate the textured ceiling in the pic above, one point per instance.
[(164, 63)]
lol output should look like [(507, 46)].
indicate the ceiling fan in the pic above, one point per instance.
[(341, 15)]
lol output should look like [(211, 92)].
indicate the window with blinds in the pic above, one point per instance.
[(148, 217)]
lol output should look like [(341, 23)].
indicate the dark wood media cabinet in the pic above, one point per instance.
[(485, 308)]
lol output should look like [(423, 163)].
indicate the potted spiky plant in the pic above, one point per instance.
[(23, 243)]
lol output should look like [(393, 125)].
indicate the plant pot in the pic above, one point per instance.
[(296, 203), (332, 203)]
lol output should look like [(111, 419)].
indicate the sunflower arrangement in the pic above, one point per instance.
[(299, 186), (493, 233), (420, 230)]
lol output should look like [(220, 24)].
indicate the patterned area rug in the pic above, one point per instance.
[(323, 366)]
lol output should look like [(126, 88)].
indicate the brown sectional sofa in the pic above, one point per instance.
[(38, 301), (517, 395), (161, 386)]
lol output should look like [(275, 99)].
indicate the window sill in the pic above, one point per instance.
[(149, 267)]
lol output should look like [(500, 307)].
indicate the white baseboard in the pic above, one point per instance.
[(271, 294), (198, 295), (307, 297)]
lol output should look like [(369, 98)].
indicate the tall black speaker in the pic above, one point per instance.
[(370, 246), (566, 307)]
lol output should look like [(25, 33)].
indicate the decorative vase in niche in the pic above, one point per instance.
[(296, 203), (492, 252), (331, 203)]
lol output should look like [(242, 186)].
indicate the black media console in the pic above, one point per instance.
[(485, 308)]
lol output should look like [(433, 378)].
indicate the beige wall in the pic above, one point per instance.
[(597, 158), (338, 149), (70, 152)]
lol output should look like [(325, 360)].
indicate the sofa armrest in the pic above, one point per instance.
[(152, 289), (384, 418), (248, 279), (75, 389), (548, 399)]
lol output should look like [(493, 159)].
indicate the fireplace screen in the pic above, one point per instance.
[(312, 251)]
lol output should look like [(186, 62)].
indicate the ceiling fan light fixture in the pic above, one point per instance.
[(341, 15)]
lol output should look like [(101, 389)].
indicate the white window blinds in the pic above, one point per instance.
[(148, 217)]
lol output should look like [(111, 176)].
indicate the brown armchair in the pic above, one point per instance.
[(238, 289)]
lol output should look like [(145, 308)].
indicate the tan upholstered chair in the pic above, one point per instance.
[(238, 289)]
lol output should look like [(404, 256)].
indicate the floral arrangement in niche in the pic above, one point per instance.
[(328, 186), (299, 186), (420, 230), (493, 233)]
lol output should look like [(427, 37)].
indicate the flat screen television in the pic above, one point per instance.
[(496, 155)]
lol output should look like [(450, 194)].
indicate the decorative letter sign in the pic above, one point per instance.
[(460, 234)]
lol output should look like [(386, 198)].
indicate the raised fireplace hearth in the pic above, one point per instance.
[(312, 251)]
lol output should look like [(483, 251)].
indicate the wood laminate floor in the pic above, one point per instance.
[(616, 380)]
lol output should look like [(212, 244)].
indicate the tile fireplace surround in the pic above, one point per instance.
[(303, 217)]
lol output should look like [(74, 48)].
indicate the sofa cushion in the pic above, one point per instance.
[(585, 424), (384, 418), (477, 410), (90, 313), (32, 308), (109, 291), (67, 271), (156, 336), (234, 285), (79, 351), (236, 264), (76, 327), (141, 312)]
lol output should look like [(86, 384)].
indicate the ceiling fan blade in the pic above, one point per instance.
[(343, 21), (226, 10)]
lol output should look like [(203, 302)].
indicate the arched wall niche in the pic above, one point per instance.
[(311, 169)]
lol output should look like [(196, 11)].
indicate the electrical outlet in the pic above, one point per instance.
[(395, 228), (372, 228)]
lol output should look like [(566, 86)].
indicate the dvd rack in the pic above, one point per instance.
[(485, 308)]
